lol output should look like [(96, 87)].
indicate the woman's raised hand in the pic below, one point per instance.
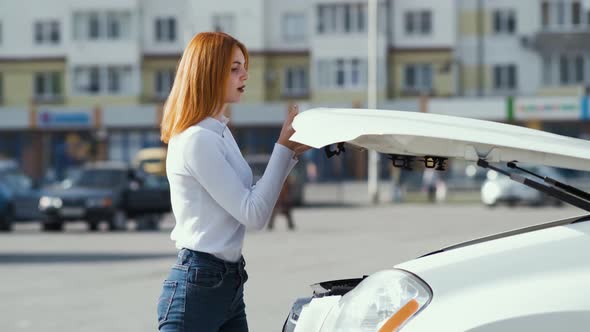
[(287, 131)]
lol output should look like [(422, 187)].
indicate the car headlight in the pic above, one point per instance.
[(383, 302), (48, 202), (99, 202)]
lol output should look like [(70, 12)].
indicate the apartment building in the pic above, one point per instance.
[(98, 71)]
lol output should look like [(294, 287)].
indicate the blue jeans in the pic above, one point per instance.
[(203, 294)]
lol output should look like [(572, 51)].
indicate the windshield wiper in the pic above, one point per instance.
[(561, 191)]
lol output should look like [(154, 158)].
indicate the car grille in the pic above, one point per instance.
[(74, 201)]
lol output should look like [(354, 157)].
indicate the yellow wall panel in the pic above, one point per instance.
[(276, 69), (148, 76), (93, 101), (255, 86), (19, 76), (468, 23), (344, 96), (441, 60), (564, 91)]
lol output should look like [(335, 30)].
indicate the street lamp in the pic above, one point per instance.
[(373, 163)]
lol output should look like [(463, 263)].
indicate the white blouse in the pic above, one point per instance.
[(213, 197)]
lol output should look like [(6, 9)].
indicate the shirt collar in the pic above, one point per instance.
[(215, 125)]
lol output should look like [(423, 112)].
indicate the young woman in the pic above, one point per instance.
[(213, 198)]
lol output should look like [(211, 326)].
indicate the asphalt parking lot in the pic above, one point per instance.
[(80, 281)]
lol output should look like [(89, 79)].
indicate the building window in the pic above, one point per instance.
[(342, 73), (341, 18), (164, 80), (504, 22), (418, 78), (547, 71), (111, 25), (114, 79), (425, 22), (93, 26), (87, 80), (47, 32), (47, 86), (96, 80), (576, 13), (224, 23), (545, 13), (563, 15), (166, 29), (1, 88), (294, 27), (571, 69), (505, 77), (418, 22), (355, 72), (295, 82)]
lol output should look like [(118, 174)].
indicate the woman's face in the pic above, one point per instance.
[(238, 75)]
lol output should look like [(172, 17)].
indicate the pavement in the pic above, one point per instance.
[(90, 282)]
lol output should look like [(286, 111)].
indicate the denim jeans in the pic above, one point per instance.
[(203, 294)]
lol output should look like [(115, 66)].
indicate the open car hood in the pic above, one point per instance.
[(424, 134)]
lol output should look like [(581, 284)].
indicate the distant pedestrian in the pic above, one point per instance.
[(283, 207), (434, 186), (213, 197)]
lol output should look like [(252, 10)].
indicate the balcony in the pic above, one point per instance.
[(295, 94), (48, 99), (551, 41), (153, 98)]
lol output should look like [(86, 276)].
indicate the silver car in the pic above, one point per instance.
[(498, 189)]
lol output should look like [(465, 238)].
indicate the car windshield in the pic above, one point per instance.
[(16, 180), (100, 178)]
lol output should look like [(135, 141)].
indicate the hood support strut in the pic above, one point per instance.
[(561, 191)]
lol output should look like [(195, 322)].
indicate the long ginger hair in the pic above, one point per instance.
[(199, 85)]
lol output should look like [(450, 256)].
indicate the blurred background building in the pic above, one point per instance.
[(86, 80)]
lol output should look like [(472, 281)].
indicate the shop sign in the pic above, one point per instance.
[(559, 108), (64, 119)]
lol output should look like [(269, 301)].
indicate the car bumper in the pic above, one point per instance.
[(71, 213)]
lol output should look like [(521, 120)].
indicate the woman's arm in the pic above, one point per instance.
[(251, 206)]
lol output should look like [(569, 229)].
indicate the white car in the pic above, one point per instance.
[(499, 189), (532, 279)]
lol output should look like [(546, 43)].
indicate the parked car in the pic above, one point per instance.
[(18, 197), (107, 191), (296, 178), (498, 190), (531, 279)]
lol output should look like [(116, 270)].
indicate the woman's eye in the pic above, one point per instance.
[(234, 69)]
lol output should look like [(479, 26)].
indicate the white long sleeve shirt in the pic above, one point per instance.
[(213, 197)]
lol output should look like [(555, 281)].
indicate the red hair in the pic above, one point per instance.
[(199, 86)]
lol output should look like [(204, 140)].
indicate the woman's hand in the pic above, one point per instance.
[(287, 131)]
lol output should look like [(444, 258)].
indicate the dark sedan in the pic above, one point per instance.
[(108, 192)]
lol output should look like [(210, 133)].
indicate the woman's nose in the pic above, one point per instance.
[(245, 75)]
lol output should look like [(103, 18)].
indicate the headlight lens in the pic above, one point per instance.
[(383, 302), (47, 202)]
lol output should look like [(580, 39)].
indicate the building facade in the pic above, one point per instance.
[(82, 80)]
